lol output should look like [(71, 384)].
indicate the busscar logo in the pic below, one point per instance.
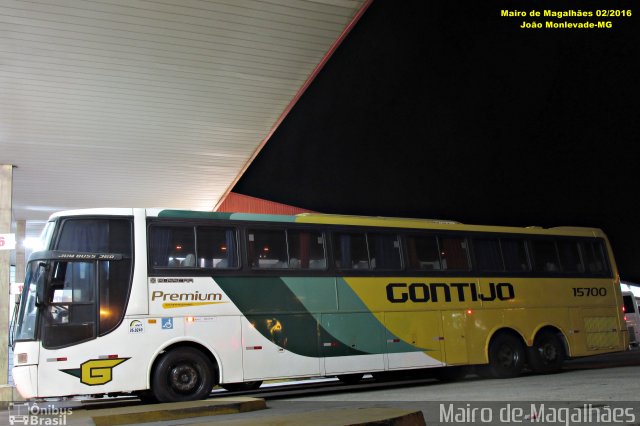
[(95, 371), (434, 292), (171, 280)]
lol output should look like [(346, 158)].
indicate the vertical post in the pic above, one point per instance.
[(6, 191), (21, 233)]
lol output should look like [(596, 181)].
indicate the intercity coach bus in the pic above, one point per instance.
[(167, 304)]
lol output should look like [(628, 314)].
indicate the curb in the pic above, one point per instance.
[(175, 411), (334, 417)]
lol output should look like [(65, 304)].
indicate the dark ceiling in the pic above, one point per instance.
[(447, 110)]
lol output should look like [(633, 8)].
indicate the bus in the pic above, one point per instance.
[(168, 304), (632, 317)]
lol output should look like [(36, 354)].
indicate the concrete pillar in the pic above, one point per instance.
[(21, 233), (6, 191)]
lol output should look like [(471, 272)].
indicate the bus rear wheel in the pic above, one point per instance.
[(506, 357), (182, 374), (547, 353)]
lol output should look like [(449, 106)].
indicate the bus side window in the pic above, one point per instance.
[(172, 246), (268, 249), (545, 256), (384, 251), (351, 251), (514, 255), (570, 256), (487, 254), (423, 252), (594, 257), (454, 253), (217, 247), (306, 249)]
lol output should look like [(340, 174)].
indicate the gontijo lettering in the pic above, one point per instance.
[(195, 296), (434, 292)]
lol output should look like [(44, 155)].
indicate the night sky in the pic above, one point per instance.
[(444, 109)]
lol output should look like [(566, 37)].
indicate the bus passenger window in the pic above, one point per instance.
[(172, 246), (514, 255), (268, 249), (217, 248), (487, 254), (306, 249), (594, 257), (423, 252), (570, 256), (351, 251), (545, 256), (384, 251), (454, 253)]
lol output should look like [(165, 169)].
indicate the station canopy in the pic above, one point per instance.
[(145, 103)]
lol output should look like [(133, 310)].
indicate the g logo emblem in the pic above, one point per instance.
[(96, 371)]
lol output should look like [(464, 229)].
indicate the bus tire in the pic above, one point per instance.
[(547, 353), (350, 379), (506, 357), (182, 374), (243, 386)]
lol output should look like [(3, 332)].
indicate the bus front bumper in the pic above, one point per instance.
[(26, 379)]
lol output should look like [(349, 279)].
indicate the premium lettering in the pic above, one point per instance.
[(195, 296)]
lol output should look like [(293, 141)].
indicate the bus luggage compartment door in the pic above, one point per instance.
[(279, 345), (414, 339), (454, 331), (352, 342)]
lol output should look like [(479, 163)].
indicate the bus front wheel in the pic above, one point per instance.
[(547, 353), (182, 374), (506, 357)]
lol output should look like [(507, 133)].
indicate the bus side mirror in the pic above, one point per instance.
[(40, 285)]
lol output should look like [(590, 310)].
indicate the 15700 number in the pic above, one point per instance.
[(589, 291)]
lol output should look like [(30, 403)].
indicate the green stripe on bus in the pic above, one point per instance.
[(276, 312), (263, 217), (344, 315), (304, 316), (189, 214), (350, 301)]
